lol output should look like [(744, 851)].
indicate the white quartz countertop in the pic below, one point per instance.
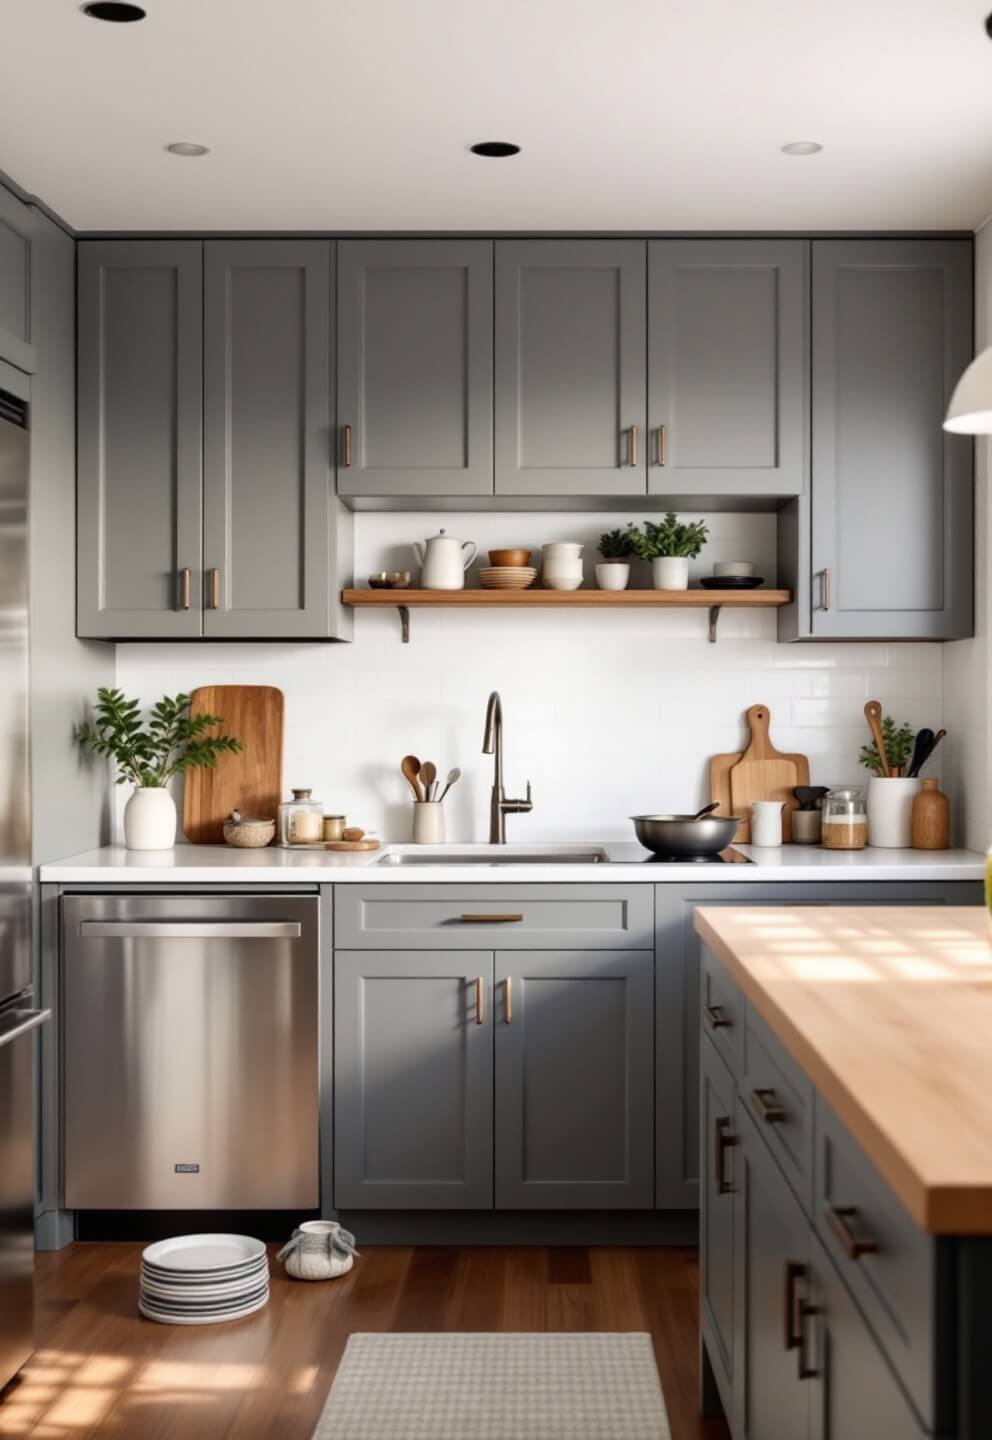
[(626, 863)]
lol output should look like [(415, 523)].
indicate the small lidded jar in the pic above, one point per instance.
[(301, 820), (845, 818)]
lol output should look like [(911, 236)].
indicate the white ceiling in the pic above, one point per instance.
[(632, 114)]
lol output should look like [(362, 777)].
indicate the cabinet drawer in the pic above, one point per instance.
[(487, 917), (722, 1012), (895, 1281), (779, 1099)]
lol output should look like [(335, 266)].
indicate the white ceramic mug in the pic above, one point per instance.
[(766, 822), (890, 811), (562, 549)]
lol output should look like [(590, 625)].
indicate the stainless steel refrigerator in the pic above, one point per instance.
[(19, 1020)]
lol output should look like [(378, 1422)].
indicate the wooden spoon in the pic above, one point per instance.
[(410, 767), (428, 774), (873, 714)]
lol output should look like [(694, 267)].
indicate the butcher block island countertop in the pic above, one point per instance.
[(889, 1012)]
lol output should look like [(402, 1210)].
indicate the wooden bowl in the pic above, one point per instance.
[(509, 557)]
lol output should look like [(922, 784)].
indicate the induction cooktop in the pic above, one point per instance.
[(725, 857)]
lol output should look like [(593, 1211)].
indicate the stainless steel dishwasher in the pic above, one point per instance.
[(191, 1063)]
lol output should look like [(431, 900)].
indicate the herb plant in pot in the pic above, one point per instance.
[(616, 548), (147, 755), (669, 546)]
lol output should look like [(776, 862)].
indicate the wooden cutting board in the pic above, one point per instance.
[(250, 781), (720, 768), (764, 773)]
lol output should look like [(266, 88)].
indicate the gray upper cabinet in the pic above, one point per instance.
[(574, 1080), (267, 440), (415, 367), (570, 367), (891, 491), (16, 221), (413, 1080), (728, 337), (139, 439)]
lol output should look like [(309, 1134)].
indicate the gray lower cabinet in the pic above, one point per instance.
[(570, 367), (268, 465), (891, 491), (415, 367), (728, 381), (16, 223), (413, 1080), (574, 1070), (139, 479), (720, 1167)]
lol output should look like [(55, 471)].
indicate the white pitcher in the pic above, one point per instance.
[(443, 561)]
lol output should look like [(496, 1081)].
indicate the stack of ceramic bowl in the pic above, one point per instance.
[(203, 1279), (507, 570), (562, 566)]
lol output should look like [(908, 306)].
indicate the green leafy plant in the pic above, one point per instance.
[(150, 754), (616, 545), (668, 539), (899, 742)]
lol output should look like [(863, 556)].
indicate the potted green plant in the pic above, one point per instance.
[(616, 548), (148, 754), (669, 546)]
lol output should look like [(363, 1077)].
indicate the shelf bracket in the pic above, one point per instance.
[(404, 614), (714, 617)]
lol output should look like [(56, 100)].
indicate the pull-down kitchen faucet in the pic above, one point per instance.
[(492, 744)]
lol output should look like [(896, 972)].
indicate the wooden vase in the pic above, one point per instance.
[(931, 818)]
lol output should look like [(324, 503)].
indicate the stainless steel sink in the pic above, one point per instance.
[(494, 855)]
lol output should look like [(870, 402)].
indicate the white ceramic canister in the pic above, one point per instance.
[(443, 561), (766, 822), (670, 572), (428, 822), (613, 575), (890, 811), (150, 819), (733, 567)]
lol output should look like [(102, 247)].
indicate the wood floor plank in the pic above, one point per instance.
[(569, 1265)]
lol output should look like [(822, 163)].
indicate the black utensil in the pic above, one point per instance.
[(808, 795), (929, 751), (924, 744)]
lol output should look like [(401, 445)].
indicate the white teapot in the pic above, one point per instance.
[(443, 561)]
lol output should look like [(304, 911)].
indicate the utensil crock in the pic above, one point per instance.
[(890, 811)]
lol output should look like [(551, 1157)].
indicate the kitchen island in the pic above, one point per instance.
[(846, 1129)]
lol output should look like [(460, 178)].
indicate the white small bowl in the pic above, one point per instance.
[(733, 567), (562, 582)]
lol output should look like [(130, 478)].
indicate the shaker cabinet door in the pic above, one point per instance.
[(728, 344), (139, 439), (570, 367), (415, 367), (719, 1166), (16, 223), (892, 530), (267, 439), (574, 1045)]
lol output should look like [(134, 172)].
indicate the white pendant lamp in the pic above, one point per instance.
[(970, 410)]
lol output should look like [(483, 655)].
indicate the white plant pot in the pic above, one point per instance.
[(670, 572), (613, 575), (150, 819), (890, 812)]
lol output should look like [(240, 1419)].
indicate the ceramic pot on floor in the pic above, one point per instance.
[(150, 819), (670, 572)]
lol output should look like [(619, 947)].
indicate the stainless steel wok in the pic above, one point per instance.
[(676, 835)]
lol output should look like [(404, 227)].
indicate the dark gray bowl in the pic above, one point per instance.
[(683, 835)]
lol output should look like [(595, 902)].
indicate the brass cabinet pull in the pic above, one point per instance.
[(633, 446), (854, 1246), (716, 1019), (724, 1141), (806, 1371), (662, 444), (508, 1000), (480, 1000), (215, 589), (347, 445), (767, 1108), (184, 588), (825, 589), (490, 919), (794, 1272)]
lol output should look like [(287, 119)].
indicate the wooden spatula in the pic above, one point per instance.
[(764, 773)]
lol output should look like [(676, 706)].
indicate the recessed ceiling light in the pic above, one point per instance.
[(115, 11), (187, 148), (495, 149), (802, 147)]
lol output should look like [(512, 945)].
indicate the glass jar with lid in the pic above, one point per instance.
[(301, 820), (845, 818)]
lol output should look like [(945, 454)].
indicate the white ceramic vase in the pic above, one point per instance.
[(150, 819), (670, 572), (428, 822), (613, 575), (890, 811)]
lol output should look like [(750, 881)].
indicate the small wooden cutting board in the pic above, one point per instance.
[(764, 773), (249, 781)]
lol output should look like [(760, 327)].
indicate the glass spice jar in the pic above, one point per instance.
[(845, 818), (301, 820)]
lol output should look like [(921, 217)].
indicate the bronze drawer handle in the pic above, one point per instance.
[(724, 1141), (794, 1272), (491, 919), (716, 1019), (480, 1000), (215, 589), (662, 444), (633, 446), (854, 1246), (184, 575), (508, 1000), (347, 445), (805, 1371), (767, 1108)]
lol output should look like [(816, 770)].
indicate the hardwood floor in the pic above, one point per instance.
[(102, 1370)]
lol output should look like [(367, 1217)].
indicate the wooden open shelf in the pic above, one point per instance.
[(712, 600)]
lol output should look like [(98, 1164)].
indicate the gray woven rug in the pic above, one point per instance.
[(496, 1387)]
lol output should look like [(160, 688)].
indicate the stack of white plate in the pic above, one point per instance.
[(507, 577), (203, 1279)]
